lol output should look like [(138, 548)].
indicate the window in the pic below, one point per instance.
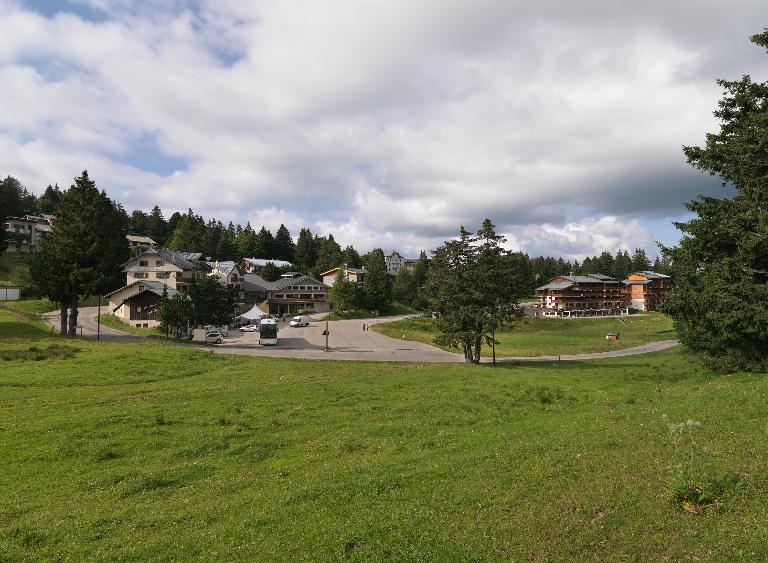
[(141, 275), (143, 263), (159, 263)]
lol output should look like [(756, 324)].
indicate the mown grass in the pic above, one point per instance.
[(538, 336), (129, 451), (114, 322)]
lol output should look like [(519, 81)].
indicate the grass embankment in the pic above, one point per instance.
[(113, 322), (127, 451), (393, 310), (538, 336)]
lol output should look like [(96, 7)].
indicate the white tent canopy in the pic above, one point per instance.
[(253, 314)]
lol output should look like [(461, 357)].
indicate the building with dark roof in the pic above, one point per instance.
[(177, 270), (582, 296), (24, 234), (138, 302), (293, 293)]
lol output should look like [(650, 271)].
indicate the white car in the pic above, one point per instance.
[(214, 338), (302, 320), (249, 328)]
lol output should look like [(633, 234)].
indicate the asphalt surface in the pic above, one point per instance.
[(347, 341)]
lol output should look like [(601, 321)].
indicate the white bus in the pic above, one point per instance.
[(268, 332)]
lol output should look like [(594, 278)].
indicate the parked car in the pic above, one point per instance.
[(249, 328), (214, 338), (301, 320), (224, 330)]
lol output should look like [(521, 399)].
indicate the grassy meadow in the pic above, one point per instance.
[(540, 336), (150, 452)]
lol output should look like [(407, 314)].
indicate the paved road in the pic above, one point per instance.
[(86, 319), (347, 341)]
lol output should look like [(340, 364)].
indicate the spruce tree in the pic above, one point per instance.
[(720, 267), (284, 247), (377, 286), (305, 255), (89, 239)]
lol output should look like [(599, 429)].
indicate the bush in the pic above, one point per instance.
[(694, 493)]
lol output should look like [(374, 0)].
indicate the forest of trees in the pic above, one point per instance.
[(308, 252)]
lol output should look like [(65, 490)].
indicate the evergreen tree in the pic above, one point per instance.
[(173, 222), (403, 289), (157, 228), (284, 247), (640, 262), (720, 267), (471, 284), (225, 246), (419, 277), (245, 243), (50, 271), (343, 293), (212, 302), (622, 265), (351, 258), (189, 235), (329, 255), (139, 223), (604, 264), (15, 199), (46, 203), (377, 287), (264, 244), (270, 272), (305, 255), (89, 239)]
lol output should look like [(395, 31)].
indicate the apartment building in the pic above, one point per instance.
[(647, 291), (24, 234), (582, 296)]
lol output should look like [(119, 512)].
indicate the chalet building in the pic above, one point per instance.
[(137, 304), (177, 270), (647, 291), (293, 293), (24, 234), (356, 275), (582, 296), (228, 273)]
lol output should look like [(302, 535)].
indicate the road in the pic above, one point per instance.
[(347, 341)]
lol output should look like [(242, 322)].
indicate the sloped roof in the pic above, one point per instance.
[(650, 275), (590, 278), (151, 285), (225, 266), (255, 282), (184, 260), (349, 270), (555, 286), (152, 290), (138, 239)]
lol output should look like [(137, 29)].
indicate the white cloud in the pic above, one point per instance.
[(392, 123)]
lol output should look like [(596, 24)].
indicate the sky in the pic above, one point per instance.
[(388, 124)]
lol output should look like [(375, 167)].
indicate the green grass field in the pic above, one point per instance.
[(127, 451), (393, 310), (538, 336)]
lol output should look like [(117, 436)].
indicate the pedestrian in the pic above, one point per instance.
[(363, 327)]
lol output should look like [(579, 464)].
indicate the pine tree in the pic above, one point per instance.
[(471, 285), (351, 258), (329, 255), (622, 265), (46, 203), (403, 289), (15, 199), (306, 254), (89, 238), (157, 228), (245, 243), (377, 286), (720, 267), (264, 244), (284, 247), (640, 262)]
